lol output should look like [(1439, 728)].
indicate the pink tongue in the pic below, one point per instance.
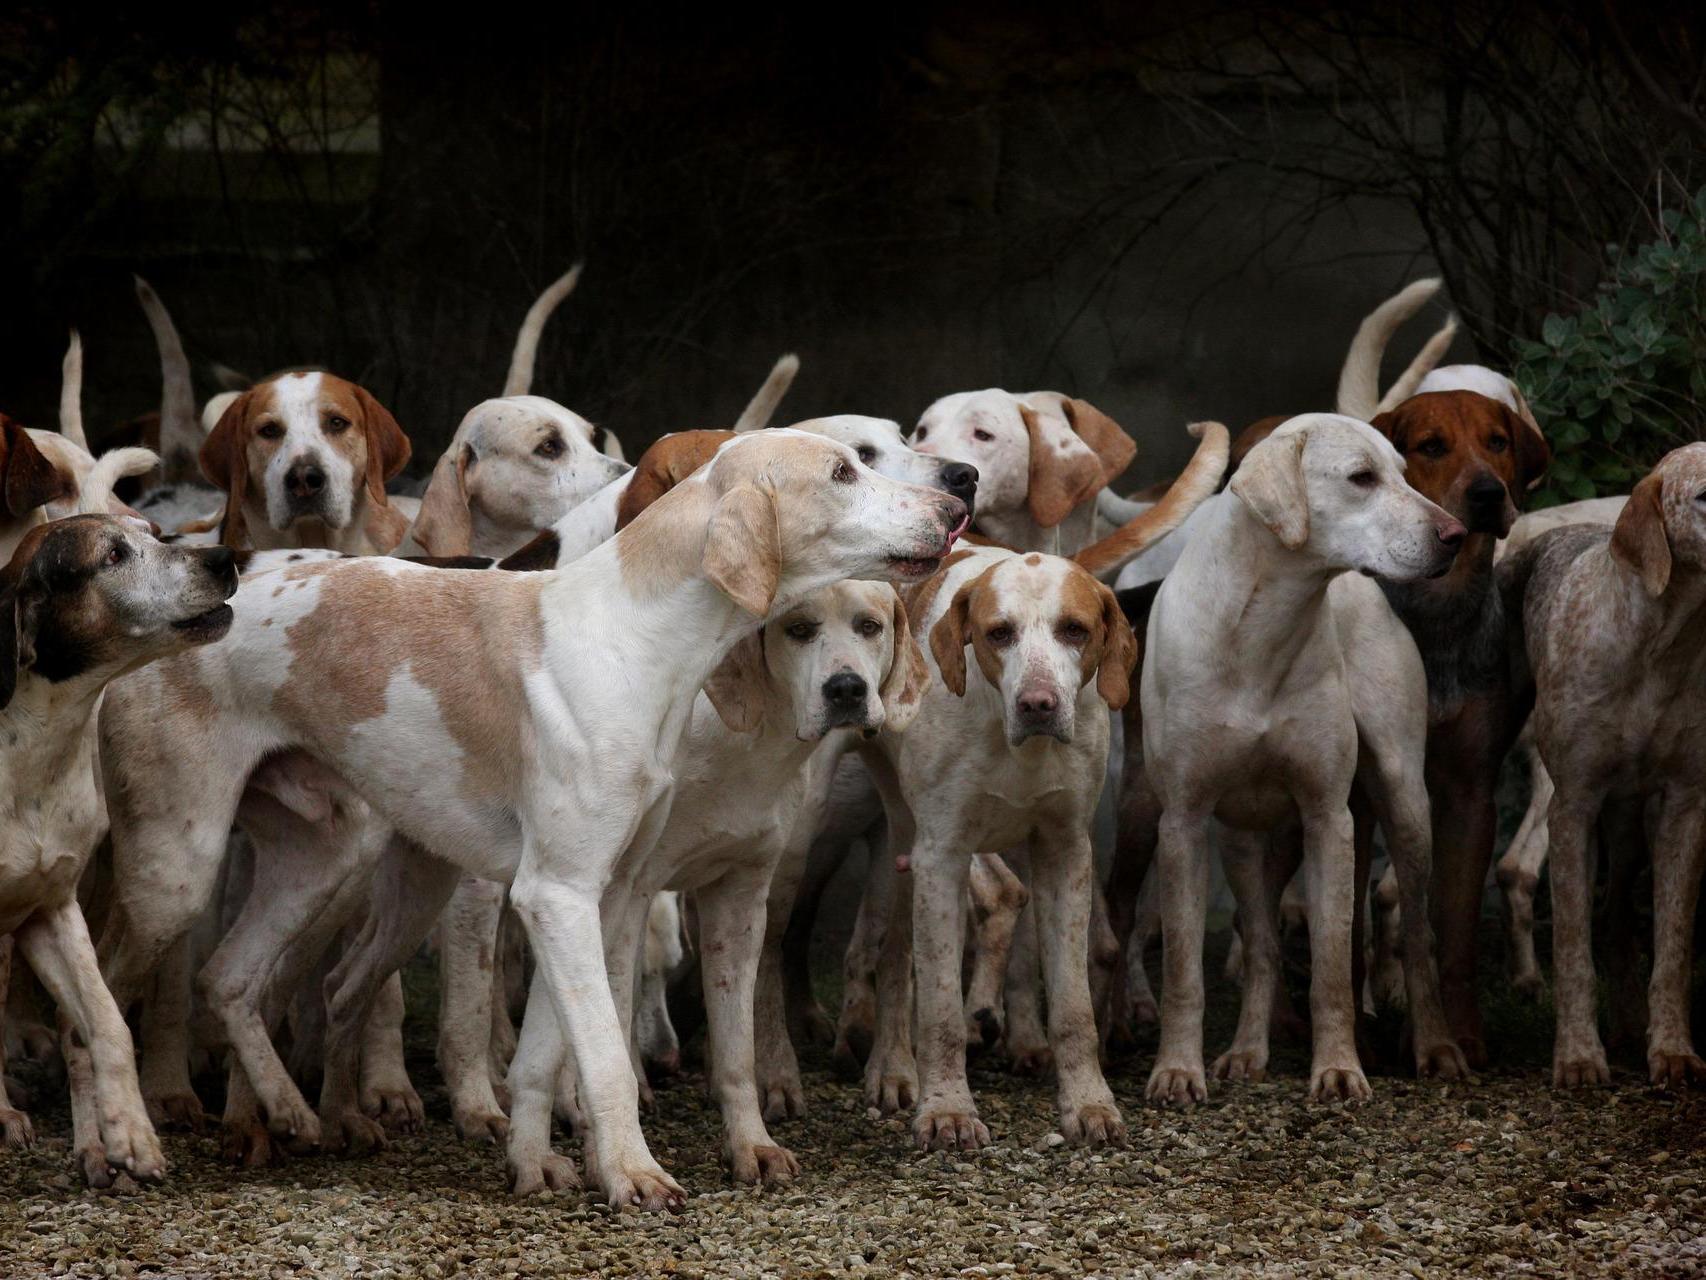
[(959, 528)]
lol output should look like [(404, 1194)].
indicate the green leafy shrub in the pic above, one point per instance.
[(1623, 380)]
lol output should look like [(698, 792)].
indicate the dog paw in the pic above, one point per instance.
[(770, 1165), (246, 1143), (642, 1186), (891, 1086), (132, 1148), (294, 1124), (783, 1100), (1242, 1064), (17, 1128), (1030, 1059), (1583, 1069), (178, 1110), (398, 1108), (550, 1172), (1675, 1069), (664, 1066), (351, 1133), (98, 1174), (1442, 1060), (648, 1099), (1096, 1124), (1177, 1086), (476, 1125), (1342, 1083), (949, 1131)]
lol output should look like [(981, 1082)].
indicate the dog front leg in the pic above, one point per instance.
[(1182, 863), (999, 898), (1519, 880), (1578, 1055), (780, 1088), (947, 1117), (387, 1094), (1028, 1051), (467, 963), (1330, 864), (891, 1071), (1679, 853), (14, 1125), (1063, 872), (56, 943), (1244, 855)]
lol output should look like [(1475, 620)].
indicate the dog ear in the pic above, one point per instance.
[(908, 677), (1118, 657), (1639, 542), (1270, 483), (665, 465), (1392, 424), (29, 480), (1113, 448), (1064, 471), (1533, 454), (444, 526), (743, 554), (388, 449), (741, 683), (19, 605), (226, 467), (949, 637)]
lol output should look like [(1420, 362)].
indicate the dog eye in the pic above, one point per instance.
[(119, 553), (549, 447), (336, 422), (981, 434), (1498, 444), (1000, 634), (800, 631), (843, 474), (869, 627), (867, 455), (270, 430), (921, 433), (1074, 633), (1434, 448), (598, 438), (1363, 479)]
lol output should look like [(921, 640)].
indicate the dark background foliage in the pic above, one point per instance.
[(1176, 211)]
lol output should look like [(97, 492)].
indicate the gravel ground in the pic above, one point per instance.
[(1498, 1178)]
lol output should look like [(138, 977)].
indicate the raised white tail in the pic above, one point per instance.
[(1359, 379), (111, 467), (762, 407), (71, 394), (180, 432), (520, 380), (1427, 359)]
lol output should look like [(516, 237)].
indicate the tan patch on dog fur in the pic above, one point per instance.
[(1111, 652), (470, 638), (665, 465), (918, 599)]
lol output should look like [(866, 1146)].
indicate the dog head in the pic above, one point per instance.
[(1041, 628), (1473, 455), (304, 446), (515, 466), (1040, 455), (1333, 488), (883, 449), (95, 595), (841, 657), (790, 512), (1663, 525)]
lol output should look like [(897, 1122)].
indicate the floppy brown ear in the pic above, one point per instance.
[(743, 554), (1391, 425), (388, 449), (444, 526), (741, 683), (1113, 448), (29, 480), (1119, 652), (1533, 454), (1270, 483), (665, 465), (1063, 471), (948, 639), (908, 677), (1639, 542), (225, 466)]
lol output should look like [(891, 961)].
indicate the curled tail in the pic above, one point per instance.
[(1359, 379), (180, 433), (520, 380), (111, 467), (1427, 359), (1195, 485), (762, 406), (71, 394)]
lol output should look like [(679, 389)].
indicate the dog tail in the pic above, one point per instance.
[(1427, 359), (111, 467), (520, 380), (1195, 485), (180, 433), (71, 393), (762, 407), (1359, 380)]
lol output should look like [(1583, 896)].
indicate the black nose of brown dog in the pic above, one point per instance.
[(1486, 490), (304, 480)]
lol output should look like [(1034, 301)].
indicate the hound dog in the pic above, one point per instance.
[(1613, 626), (1274, 737), (560, 699), (87, 599)]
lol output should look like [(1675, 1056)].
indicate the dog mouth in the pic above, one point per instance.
[(923, 566), (209, 625)]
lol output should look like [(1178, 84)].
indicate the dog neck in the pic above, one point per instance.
[(1458, 624), (1263, 598), (47, 723), (1663, 627), (367, 530)]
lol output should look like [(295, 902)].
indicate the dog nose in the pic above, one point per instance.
[(845, 691), (304, 480), (1037, 703), (1452, 534), (221, 564), (1485, 490), (960, 479)]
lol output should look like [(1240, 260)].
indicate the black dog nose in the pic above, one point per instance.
[(1485, 489), (221, 563), (845, 691), (959, 478), (304, 480)]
